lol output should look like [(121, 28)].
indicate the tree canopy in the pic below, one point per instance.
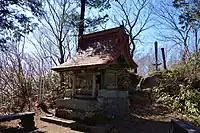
[(101, 5), (190, 12), (14, 18)]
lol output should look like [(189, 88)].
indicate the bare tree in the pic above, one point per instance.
[(16, 78), (56, 26), (54, 38), (135, 15), (170, 30), (23, 77)]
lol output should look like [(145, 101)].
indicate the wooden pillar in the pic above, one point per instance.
[(116, 79), (164, 60), (102, 73), (93, 84), (73, 84), (156, 54)]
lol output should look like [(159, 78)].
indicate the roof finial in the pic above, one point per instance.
[(122, 25)]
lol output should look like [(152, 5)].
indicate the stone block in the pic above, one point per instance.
[(112, 93), (78, 104)]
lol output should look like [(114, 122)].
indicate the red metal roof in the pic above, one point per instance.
[(100, 49)]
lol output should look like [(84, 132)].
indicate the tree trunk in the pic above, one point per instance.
[(186, 52), (81, 24), (133, 47), (196, 40), (62, 78)]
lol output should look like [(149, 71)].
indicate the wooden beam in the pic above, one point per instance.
[(73, 84), (102, 34), (93, 84)]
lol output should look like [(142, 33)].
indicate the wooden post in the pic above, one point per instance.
[(27, 121), (102, 73), (93, 84), (73, 84), (156, 54), (164, 60)]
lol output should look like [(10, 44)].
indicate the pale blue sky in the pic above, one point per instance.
[(148, 37)]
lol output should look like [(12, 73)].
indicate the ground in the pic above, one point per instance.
[(43, 127), (145, 117), (150, 119)]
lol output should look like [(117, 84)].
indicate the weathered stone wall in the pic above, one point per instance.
[(114, 103), (78, 104), (110, 103), (112, 93), (115, 107)]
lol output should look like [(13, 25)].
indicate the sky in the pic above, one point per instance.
[(148, 37)]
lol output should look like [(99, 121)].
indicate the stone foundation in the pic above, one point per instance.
[(109, 104), (115, 107), (115, 103)]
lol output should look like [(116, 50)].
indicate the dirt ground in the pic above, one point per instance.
[(45, 127), (42, 127), (153, 118), (144, 118)]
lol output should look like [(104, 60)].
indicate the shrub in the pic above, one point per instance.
[(179, 87)]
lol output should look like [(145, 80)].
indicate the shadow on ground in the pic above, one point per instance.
[(140, 125), (150, 110), (130, 124), (142, 105), (145, 117), (6, 129)]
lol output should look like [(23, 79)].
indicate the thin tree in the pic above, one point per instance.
[(17, 78), (135, 16), (57, 35), (54, 39), (189, 16), (170, 30)]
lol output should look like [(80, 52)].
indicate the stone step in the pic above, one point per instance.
[(57, 120), (66, 123), (74, 114), (78, 104), (74, 125)]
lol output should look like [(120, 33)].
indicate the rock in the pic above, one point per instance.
[(148, 82)]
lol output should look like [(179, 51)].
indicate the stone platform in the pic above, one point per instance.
[(108, 104)]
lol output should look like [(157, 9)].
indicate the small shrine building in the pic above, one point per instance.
[(94, 72)]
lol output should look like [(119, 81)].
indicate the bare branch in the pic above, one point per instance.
[(132, 13)]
